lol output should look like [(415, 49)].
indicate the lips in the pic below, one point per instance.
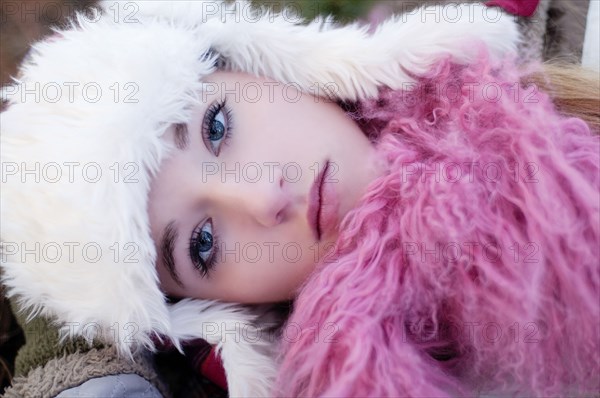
[(323, 202)]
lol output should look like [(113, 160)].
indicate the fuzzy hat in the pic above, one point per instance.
[(81, 139)]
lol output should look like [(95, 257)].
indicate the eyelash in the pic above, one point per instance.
[(211, 113), (204, 267)]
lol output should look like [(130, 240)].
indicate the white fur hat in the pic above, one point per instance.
[(81, 139)]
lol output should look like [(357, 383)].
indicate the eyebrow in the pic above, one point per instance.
[(166, 248), (181, 136)]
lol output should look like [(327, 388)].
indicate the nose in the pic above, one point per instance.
[(257, 193)]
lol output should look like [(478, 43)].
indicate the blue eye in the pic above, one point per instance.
[(216, 127), (202, 247), (205, 239)]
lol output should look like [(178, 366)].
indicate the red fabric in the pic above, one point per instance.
[(202, 357), (523, 8), (212, 369), (205, 361)]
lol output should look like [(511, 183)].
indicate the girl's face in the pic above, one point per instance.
[(252, 197)]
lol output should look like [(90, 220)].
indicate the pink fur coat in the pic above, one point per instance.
[(472, 266)]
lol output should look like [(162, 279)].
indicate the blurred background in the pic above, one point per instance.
[(23, 22)]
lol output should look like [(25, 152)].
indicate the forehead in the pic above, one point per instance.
[(240, 87)]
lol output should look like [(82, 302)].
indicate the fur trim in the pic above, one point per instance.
[(76, 245), (344, 62), (108, 278)]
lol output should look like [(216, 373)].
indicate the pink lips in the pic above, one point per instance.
[(323, 203)]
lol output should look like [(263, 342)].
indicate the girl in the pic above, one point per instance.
[(147, 157)]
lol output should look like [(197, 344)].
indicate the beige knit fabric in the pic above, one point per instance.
[(70, 371)]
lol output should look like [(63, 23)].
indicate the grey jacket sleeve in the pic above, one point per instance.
[(116, 386)]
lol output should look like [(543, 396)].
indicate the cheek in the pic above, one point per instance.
[(295, 266), (268, 268), (272, 283), (279, 128)]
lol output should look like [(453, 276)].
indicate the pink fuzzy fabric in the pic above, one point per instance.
[(472, 266)]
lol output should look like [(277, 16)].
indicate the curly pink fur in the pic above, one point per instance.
[(472, 266)]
